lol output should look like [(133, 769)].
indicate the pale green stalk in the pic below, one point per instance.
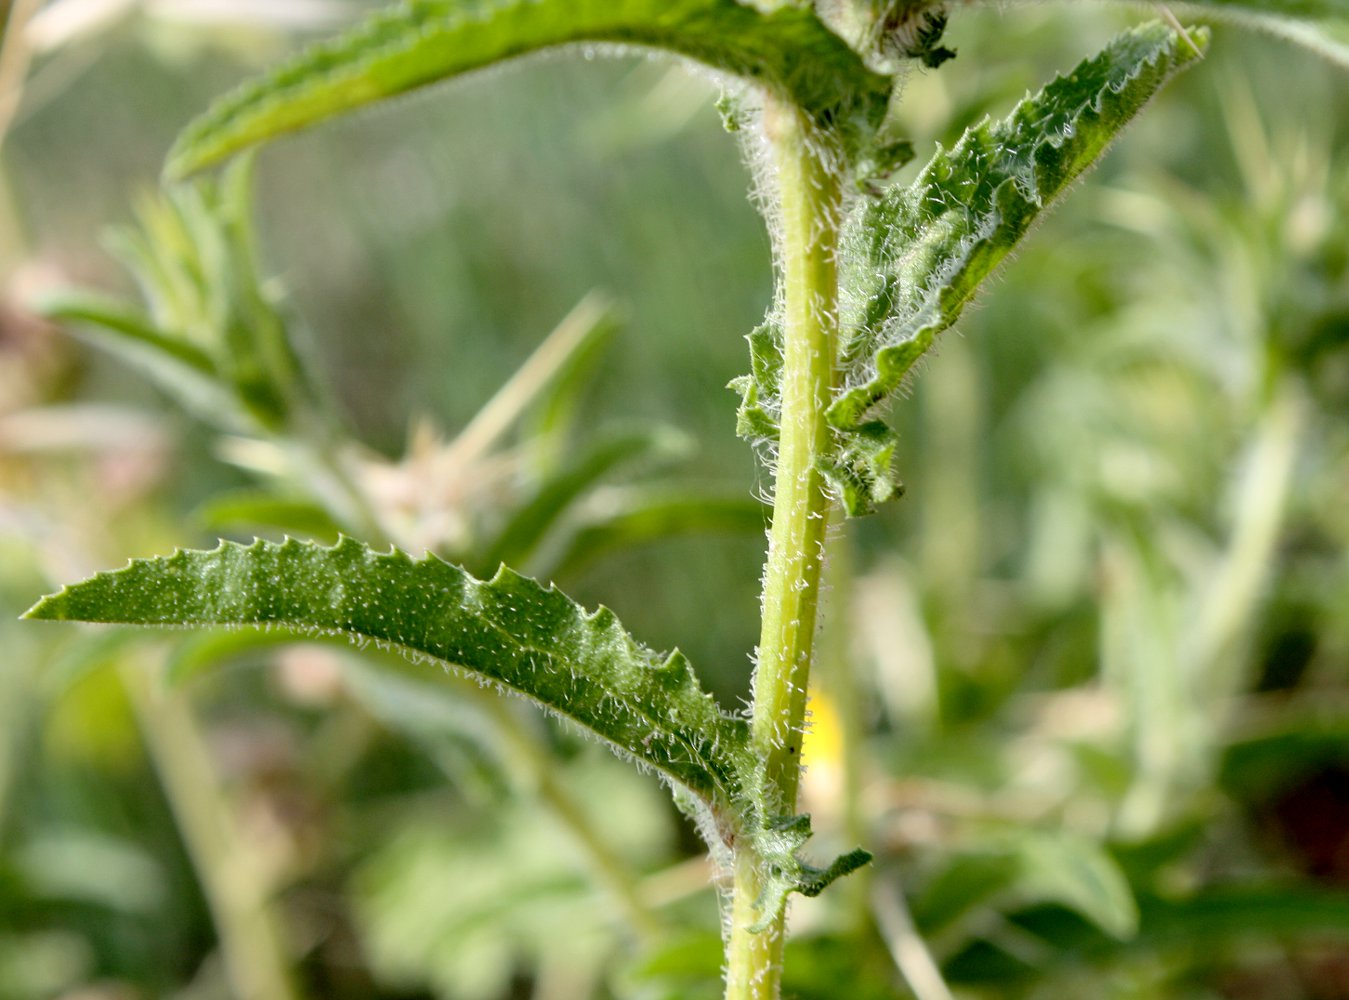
[(809, 195), (1261, 504), (14, 59), (539, 768), (15, 56), (236, 889)]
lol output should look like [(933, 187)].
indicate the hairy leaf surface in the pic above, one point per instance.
[(914, 257), (510, 630), (419, 42)]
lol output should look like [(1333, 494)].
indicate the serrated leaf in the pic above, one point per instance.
[(914, 258), (420, 42), (510, 631)]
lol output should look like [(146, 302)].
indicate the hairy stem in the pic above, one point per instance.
[(809, 195), (753, 958)]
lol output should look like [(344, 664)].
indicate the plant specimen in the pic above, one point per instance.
[(869, 273)]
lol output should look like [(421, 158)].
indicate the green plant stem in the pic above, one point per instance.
[(235, 887), (753, 958), (15, 56), (809, 196), (538, 766)]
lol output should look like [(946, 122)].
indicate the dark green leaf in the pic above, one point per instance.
[(914, 258), (509, 630), (419, 42)]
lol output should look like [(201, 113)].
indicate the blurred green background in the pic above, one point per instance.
[(1085, 693)]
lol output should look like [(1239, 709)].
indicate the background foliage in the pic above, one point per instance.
[(1102, 644)]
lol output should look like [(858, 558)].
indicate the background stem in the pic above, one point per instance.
[(251, 939), (538, 767)]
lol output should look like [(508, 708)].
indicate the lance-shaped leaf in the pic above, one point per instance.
[(510, 631), (419, 42), (913, 258)]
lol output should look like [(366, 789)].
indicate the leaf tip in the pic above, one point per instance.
[(47, 608), (182, 162)]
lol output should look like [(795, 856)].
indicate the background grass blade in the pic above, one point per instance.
[(1302, 10)]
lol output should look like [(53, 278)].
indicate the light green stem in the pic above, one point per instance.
[(15, 55), (539, 768), (809, 205), (236, 889), (1261, 506)]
